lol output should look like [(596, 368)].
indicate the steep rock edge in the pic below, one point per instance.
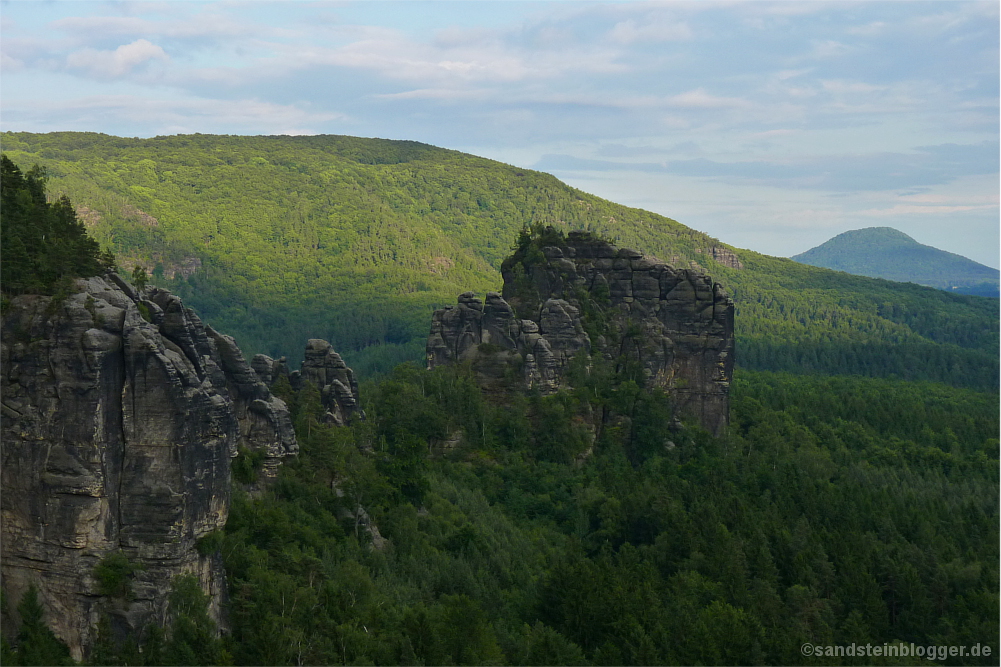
[(121, 413), (579, 294)]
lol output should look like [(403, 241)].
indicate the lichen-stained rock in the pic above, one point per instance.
[(676, 323), (117, 434)]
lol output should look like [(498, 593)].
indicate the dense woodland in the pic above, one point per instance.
[(838, 509), (279, 239)]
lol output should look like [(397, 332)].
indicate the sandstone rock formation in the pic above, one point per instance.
[(498, 342), (325, 370), (121, 413), (723, 255), (578, 294)]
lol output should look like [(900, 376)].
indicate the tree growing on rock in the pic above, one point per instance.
[(43, 244)]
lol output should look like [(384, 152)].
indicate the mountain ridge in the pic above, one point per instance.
[(884, 252), (282, 239)]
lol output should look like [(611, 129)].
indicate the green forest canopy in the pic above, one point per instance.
[(836, 511), (44, 244)]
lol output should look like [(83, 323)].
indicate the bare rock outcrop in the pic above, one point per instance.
[(326, 371), (578, 294), (504, 347), (722, 255), (121, 412)]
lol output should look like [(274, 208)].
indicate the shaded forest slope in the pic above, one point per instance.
[(278, 239)]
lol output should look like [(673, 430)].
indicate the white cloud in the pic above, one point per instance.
[(675, 122), (869, 29), (100, 26), (451, 60), (788, 8), (199, 25), (941, 202), (829, 49), (697, 99), (700, 99), (910, 209), (10, 64), (658, 30), (111, 64), (940, 22), (454, 36), (768, 134), (842, 87), (792, 73), (445, 94), (938, 199), (298, 133)]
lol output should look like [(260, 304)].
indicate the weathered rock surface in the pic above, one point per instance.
[(676, 323), (723, 255), (117, 435), (325, 370)]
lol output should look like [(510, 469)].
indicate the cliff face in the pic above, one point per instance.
[(580, 294), (121, 413)]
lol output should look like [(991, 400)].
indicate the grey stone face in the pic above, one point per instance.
[(676, 322), (336, 382), (117, 434)]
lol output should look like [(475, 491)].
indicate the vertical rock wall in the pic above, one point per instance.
[(121, 413)]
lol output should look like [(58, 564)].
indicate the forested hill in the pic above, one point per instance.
[(884, 252), (279, 239)]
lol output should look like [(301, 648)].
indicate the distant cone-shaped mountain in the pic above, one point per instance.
[(884, 252)]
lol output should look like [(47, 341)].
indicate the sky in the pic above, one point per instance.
[(772, 126)]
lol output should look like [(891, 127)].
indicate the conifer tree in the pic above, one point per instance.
[(36, 643), (43, 244)]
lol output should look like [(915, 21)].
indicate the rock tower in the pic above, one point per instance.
[(580, 295)]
